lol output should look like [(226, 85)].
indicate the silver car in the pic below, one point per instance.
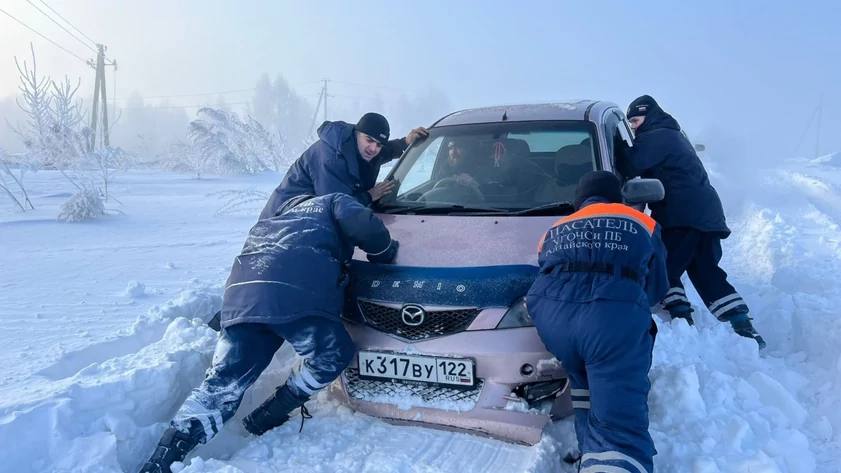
[(444, 336)]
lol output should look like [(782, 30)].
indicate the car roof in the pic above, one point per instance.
[(572, 110)]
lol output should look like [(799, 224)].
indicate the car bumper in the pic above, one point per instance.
[(502, 360)]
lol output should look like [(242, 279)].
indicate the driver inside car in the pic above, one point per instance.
[(453, 183), (457, 165)]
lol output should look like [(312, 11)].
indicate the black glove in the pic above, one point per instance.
[(386, 256)]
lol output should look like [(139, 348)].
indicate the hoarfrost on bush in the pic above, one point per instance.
[(84, 205)]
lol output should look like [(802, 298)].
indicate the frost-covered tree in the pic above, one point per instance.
[(52, 132), (70, 142), (263, 103), (285, 113), (67, 138), (105, 162), (11, 184), (183, 157), (54, 135), (229, 145), (273, 144), (35, 102)]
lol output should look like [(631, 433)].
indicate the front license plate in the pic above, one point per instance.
[(429, 369)]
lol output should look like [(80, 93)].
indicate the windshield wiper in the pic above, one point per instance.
[(453, 209), (553, 208), (464, 210), (396, 208), (548, 209)]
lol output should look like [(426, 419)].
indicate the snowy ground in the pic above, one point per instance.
[(101, 342)]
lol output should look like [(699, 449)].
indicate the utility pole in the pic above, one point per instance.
[(99, 96), (322, 98), (114, 88), (324, 88)]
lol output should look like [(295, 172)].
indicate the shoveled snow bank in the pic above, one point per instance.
[(104, 417)]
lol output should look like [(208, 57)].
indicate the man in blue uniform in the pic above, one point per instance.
[(287, 284), (601, 268), (691, 215), (347, 159)]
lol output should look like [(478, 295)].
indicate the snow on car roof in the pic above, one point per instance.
[(571, 110)]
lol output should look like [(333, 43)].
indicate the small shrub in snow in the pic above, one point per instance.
[(84, 205), (135, 289)]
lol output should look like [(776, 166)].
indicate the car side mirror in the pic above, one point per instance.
[(643, 191)]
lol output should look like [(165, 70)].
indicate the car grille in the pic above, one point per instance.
[(409, 394), (436, 323)]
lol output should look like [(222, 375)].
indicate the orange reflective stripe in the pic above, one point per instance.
[(540, 243), (604, 210)]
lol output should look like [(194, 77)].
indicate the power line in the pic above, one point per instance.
[(71, 24), (197, 95), (146, 107), (370, 86), (344, 96), (61, 26), (309, 83), (41, 35), (251, 89)]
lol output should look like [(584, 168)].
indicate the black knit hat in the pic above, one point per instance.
[(641, 106), (375, 126), (603, 184)]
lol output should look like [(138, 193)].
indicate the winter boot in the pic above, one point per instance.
[(742, 325), (681, 310), (274, 411), (174, 447)]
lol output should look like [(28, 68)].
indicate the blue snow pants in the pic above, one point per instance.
[(245, 350), (698, 253), (605, 347)]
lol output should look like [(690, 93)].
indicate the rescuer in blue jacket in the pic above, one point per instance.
[(287, 284), (601, 268), (691, 216), (347, 159)]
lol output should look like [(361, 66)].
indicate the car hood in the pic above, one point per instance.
[(463, 241)]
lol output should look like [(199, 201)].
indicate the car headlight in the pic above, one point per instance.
[(516, 316)]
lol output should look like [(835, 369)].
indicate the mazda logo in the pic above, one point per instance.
[(412, 315)]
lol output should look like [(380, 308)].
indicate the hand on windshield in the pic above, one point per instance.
[(416, 134), (381, 189)]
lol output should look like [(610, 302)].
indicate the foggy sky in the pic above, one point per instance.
[(749, 74)]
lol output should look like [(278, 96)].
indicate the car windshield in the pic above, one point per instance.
[(493, 168)]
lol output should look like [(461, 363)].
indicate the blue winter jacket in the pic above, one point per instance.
[(602, 252), (663, 152), (293, 263), (332, 164)]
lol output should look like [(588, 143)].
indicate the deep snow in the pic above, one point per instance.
[(103, 339)]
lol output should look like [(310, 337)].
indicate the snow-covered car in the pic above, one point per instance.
[(444, 336)]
